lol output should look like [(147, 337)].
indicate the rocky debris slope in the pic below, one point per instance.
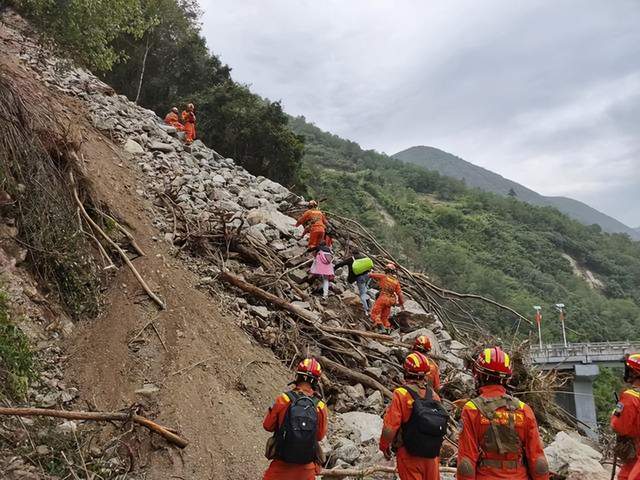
[(219, 217)]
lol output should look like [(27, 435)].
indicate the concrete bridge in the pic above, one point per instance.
[(583, 359)]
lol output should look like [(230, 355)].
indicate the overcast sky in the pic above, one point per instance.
[(546, 93)]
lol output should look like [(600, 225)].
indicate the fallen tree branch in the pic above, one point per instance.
[(355, 376), (98, 417), (305, 315), (363, 472), (116, 247)]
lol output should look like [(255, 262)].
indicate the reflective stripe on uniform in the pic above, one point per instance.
[(633, 393), (321, 405), (402, 391), (286, 397), (470, 405)]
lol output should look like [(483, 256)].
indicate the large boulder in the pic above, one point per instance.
[(365, 426), (569, 456), (271, 216)]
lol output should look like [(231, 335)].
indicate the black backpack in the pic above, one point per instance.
[(296, 438), (424, 433)]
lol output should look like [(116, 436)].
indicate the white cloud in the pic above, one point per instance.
[(533, 90)]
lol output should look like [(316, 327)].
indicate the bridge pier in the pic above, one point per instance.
[(583, 398)]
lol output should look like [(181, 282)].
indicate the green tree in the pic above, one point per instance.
[(86, 29), (250, 129)]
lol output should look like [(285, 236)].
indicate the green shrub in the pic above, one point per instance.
[(17, 366)]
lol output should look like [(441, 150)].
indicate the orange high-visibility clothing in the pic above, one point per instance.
[(390, 295), (315, 223), (397, 414), (474, 464), (625, 421), (433, 377), (189, 120), (279, 470), (173, 120)]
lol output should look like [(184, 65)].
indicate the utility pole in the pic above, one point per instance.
[(560, 307), (538, 309)]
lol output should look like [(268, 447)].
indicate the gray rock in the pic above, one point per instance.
[(569, 456), (354, 392), (133, 147), (374, 372), (375, 401), (378, 347), (161, 147), (299, 275), (346, 451), (42, 450), (367, 426), (262, 312)]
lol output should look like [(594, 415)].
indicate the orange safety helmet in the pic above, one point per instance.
[(631, 366), (493, 362), (174, 109), (309, 367), (422, 344), (416, 365), (190, 106)]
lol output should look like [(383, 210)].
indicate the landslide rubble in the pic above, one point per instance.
[(220, 219)]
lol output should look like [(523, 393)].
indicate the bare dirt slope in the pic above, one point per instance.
[(197, 376)]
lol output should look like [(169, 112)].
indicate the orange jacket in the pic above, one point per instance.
[(275, 418), (389, 286), (434, 374), (313, 219), (173, 120), (188, 117), (625, 421), (398, 413), (474, 427)]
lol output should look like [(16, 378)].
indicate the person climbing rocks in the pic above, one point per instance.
[(322, 266), (625, 421), (189, 121), (414, 405), (390, 295), (422, 344), (499, 437), (315, 224), (359, 267), (173, 120), (299, 420)]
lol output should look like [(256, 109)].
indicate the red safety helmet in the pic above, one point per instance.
[(631, 366), (309, 367), (422, 344), (493, 362), (416, 364)]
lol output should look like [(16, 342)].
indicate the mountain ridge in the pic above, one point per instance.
[(475, 176)]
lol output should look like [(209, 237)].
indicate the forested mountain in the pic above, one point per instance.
[(480, 242), (466, 239), (478, 177)]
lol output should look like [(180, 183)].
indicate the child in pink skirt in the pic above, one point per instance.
[(322, 267)]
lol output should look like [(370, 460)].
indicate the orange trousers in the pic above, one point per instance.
[(382, 310), (279, 470), (417, 468), (190, 131), (315, 237)]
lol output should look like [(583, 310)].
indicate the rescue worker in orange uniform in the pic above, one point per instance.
[(293, 450), (397, 417), (315, 224), (173, 120), (625, 421), (499, 437), (422, 345), (189, 121), (390, 295)]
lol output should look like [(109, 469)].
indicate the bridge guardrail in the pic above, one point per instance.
[(582, 352)]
